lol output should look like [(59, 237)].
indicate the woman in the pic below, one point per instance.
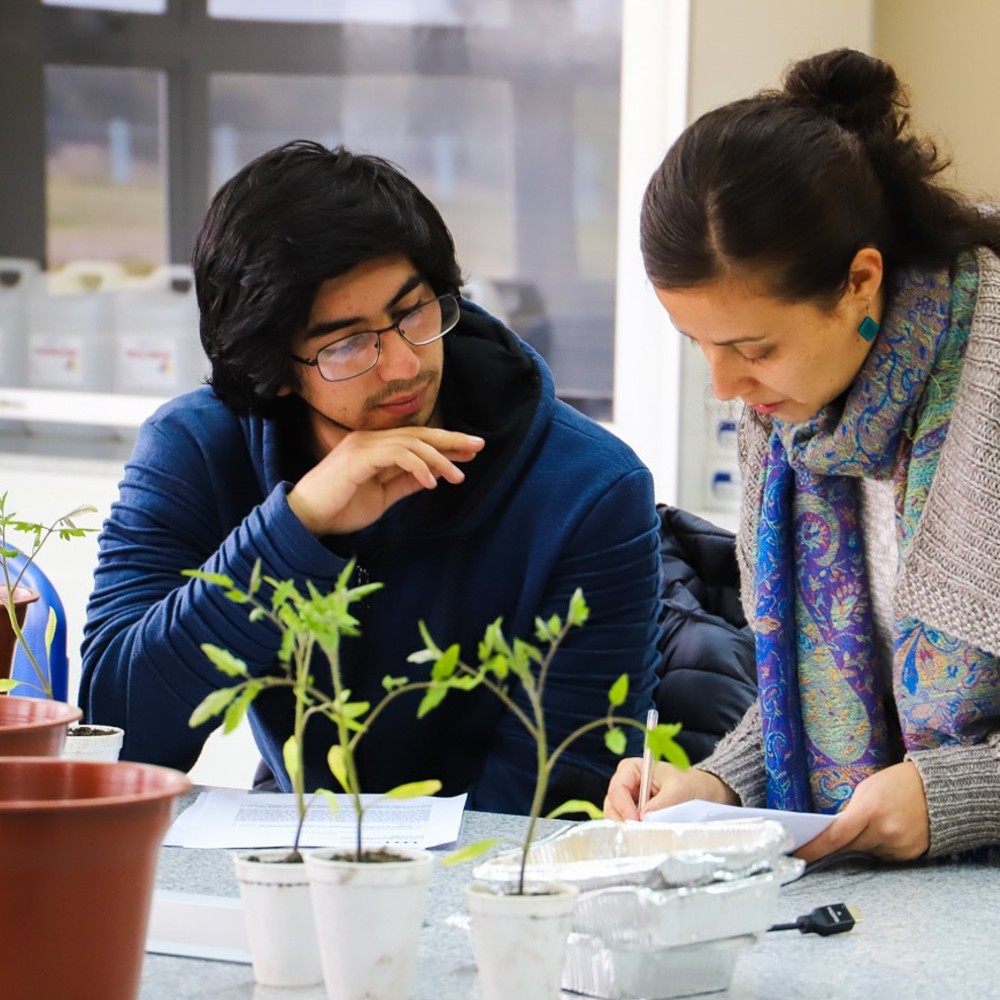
[(801, 239)]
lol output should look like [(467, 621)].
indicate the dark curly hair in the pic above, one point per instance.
[(788, 185), (285, 223)]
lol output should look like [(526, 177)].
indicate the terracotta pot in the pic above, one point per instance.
[(8, 641), (34, 727), (79, 842)]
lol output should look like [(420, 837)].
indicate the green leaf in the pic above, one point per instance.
[(433, 697), (414, 789), (8, 684), (353, 709), (222, 659), (238, 707), (50, 630), (614, 740), (676, 755), (331, 800), (446, 663), (576, 806), (392, 683), (255, 578), (336, 759), (468, 853), (619, 691), (361, 592), (212, 705), (291, 753), (499, 666), (218, 579), (430, 646), (663, 746), (422, 656), (578, 610)]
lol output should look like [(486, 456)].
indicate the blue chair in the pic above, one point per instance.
[(53, 661)]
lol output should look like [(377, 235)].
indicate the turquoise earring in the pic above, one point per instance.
[(868, 327)]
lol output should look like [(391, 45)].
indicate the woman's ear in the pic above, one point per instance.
[(864, 278)]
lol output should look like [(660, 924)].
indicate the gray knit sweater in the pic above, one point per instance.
[(950, 580)]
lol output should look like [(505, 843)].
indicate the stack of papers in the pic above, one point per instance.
[(225, 818)]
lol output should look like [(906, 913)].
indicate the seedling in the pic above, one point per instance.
[(39, 534), (311, 626), (500, 663)]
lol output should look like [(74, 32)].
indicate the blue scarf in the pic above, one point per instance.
[(823, 704)]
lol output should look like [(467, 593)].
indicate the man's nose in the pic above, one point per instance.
[(398, 360)]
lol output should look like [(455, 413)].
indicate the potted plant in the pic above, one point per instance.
[(519, 937), (351, 891), (29, 725)]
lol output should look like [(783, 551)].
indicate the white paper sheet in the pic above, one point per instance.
[(802, 826), (229, 818)]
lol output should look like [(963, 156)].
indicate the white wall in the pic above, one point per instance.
[(43, 489), (947, 55), (737, 48)]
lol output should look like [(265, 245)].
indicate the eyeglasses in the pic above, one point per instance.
[(354, 355)]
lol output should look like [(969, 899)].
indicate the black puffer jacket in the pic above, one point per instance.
[(708, 673)]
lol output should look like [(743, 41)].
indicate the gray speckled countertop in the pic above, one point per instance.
[(927, 931)]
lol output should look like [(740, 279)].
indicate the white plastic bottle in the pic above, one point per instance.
[(16, 278), (70, 340), (157, 351)]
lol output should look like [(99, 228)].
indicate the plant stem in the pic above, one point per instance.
[(299, 777), (541, 786)]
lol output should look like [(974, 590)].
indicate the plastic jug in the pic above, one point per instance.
[(16, 278), (157, 350), (70, 340)]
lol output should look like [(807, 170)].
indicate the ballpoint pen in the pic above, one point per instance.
[(652, 718)]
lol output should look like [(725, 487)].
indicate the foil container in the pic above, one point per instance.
[(603, 853), (593, 969), (664, 909), (636, 943)]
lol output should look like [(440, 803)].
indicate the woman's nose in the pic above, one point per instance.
[(730, 378)]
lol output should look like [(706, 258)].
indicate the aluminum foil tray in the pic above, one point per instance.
[(597, 970), (638, 917), (661, 855), (636, 943)]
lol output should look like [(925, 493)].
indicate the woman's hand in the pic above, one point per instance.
[(669, 786), (886, 816)]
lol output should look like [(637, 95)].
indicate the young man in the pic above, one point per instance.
[(360, 409)]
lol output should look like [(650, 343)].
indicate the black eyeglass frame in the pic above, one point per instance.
[(313, 362)]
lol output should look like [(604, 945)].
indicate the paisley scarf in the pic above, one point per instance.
[(823, 702)]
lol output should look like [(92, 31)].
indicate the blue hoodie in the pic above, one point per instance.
[(552, 503)]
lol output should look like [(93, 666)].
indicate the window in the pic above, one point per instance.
[(514, 115), (105, 184)]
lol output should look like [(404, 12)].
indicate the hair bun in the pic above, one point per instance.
[(861, 92)]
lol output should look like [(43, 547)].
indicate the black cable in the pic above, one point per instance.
[(835, 918)]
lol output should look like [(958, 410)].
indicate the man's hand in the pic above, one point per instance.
[(368, 471), (669, 786), (886, 816)]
